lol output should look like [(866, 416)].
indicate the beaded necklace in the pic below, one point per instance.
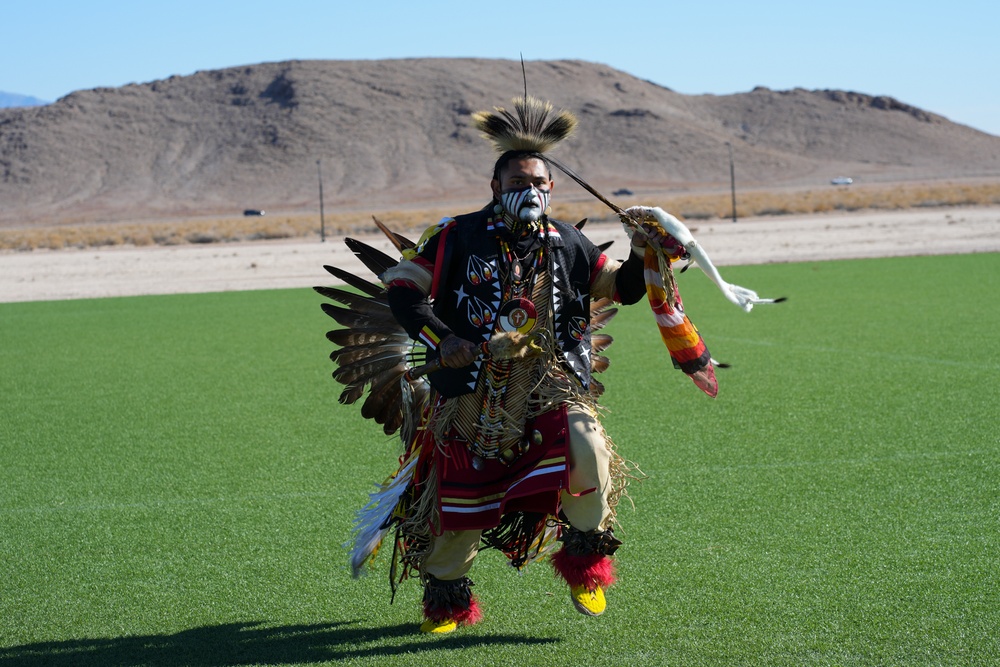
[(518, 276)]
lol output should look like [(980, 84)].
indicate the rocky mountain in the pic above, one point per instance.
[(394, 132)]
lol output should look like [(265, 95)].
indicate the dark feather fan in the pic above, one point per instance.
[(359, 284), (354, 301), (358, 319), (374, 352), (365, 336), (401, 242), (346, 356), (376, 260), (367, 368)]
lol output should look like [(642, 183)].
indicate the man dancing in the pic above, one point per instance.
[(505, 449)]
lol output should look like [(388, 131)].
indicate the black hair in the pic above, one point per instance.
[(504, 159)]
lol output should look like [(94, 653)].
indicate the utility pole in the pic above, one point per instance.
[(732, 178), (322, 222)]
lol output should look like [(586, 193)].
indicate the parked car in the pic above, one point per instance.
[(842, 180), (253, 211)]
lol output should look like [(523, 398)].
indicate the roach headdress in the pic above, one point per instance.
[(528, 128)]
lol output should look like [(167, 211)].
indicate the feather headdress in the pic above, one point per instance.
[(527, 128)]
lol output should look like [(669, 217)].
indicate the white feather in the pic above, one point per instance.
[(372, 521)]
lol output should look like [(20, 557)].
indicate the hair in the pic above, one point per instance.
[(505, 159)]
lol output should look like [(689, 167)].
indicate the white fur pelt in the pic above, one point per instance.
[(741, 296)]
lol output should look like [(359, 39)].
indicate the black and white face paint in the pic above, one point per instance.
[(527, 205)]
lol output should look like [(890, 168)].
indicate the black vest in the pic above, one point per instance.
[(469, 293)]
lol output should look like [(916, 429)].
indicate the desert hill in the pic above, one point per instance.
[(392, 132)]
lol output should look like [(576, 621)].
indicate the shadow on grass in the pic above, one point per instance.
[(244, 644)]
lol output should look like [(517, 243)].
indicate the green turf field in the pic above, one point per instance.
[(178, 481)]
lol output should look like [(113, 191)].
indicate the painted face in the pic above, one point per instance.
[(527, 205), (524, 189)]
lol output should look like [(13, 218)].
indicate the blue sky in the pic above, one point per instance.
[(941, 56)]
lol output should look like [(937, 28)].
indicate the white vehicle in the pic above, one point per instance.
[(842, 180)]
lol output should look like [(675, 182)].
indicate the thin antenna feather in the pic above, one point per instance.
[(524, 77)]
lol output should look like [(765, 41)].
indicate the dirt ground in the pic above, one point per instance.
[(78, 274)]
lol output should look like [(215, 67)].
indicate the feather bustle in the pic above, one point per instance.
[(601, 312), (376, 260), (384, 399), (355, 301), (599, 363), (401, 242), (360, 284), (600, 342), (351, 394), (596, 388), (366, 336), (366, 370), (359, 353), (354, 319)]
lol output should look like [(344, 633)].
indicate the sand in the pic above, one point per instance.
[(123, 271)]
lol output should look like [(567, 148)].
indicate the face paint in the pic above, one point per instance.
[(526, 205)]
